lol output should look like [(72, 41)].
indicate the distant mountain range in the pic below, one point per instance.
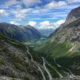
[(46, 32), (20, 33), (64, 43)]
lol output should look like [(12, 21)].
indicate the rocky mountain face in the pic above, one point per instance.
[(15, 61), (73, 15), (69, 31), (18, 62), (64, 43), (20, 33)]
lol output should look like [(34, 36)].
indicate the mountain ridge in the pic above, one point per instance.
[(73, 15), (22, 34)]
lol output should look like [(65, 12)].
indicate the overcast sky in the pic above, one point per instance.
[(42, 14)]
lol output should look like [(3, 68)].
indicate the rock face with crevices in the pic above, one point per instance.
[(73, 15)]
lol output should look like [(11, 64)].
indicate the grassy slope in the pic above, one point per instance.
[(62, 51), (63, 55), (55, 49)]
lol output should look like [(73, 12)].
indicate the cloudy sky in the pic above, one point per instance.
[(43, 14)]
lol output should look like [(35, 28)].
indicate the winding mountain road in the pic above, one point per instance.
[(44, 78), (30, 54), (69, 73), (58, 65), (47, 71), (42, 73), (60, 75)]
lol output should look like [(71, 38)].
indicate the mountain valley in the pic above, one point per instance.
[(26, 54)]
